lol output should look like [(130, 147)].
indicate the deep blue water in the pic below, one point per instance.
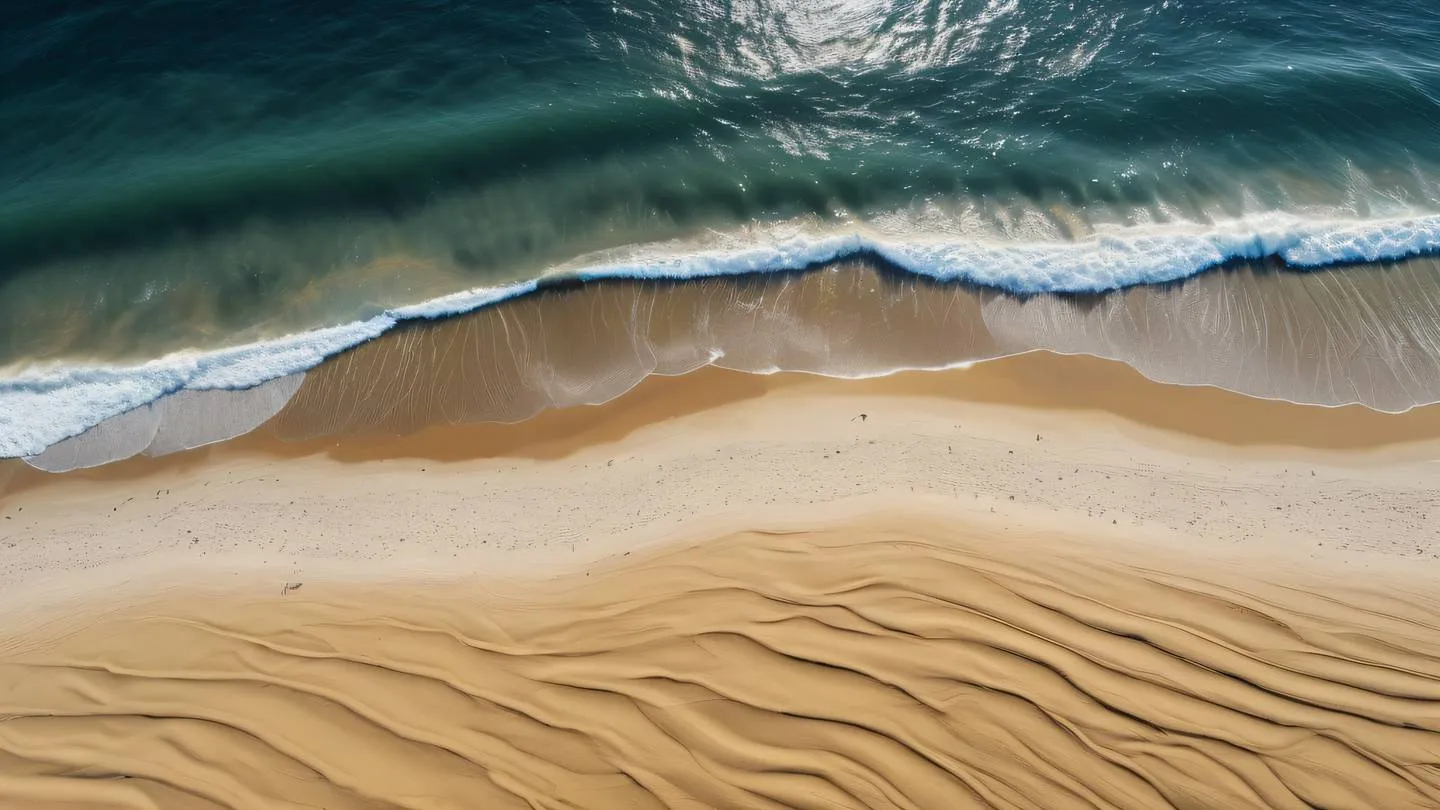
[(125, 124)]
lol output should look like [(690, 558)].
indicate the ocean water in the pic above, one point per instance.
[(199, 195)]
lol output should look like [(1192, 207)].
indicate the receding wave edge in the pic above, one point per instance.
[(41, 406)]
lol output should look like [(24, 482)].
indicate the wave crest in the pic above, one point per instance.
[(1028, 285)]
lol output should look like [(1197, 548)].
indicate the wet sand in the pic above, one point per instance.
[(1030, 584), (1344, 336)]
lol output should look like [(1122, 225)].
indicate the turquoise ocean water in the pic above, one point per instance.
[(198, 194)]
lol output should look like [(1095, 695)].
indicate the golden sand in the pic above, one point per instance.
[(1044, 582), (902, 661), (1326, 337)]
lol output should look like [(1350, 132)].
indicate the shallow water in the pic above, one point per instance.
[(1332, 337), (186, 177), (188, 171)]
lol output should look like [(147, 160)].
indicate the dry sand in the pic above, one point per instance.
[(1044, 582)]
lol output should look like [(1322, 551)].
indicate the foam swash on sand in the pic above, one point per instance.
[(40, 407), (734, 404)]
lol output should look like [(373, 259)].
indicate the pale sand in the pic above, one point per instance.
[(976, 595)]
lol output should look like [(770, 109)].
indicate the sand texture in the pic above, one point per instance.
[(1035, 441), (900, 662), (1042, 583), (1328, 337)]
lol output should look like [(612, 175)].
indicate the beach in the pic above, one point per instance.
[(1040, 581), (609, 404)]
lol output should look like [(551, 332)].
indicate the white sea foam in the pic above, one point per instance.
[(40, 407)]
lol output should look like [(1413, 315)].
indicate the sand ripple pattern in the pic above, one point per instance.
[(859, 667)]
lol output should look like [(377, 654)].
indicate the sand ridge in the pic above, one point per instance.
[(732, 591), (897, 661)]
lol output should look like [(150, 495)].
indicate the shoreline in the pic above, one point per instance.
[(1020, 440), (955, 589), (1346, 336)]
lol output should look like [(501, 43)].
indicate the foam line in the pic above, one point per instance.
[(42, 406)]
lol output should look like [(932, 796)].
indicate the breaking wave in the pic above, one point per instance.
[(41, 406)]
